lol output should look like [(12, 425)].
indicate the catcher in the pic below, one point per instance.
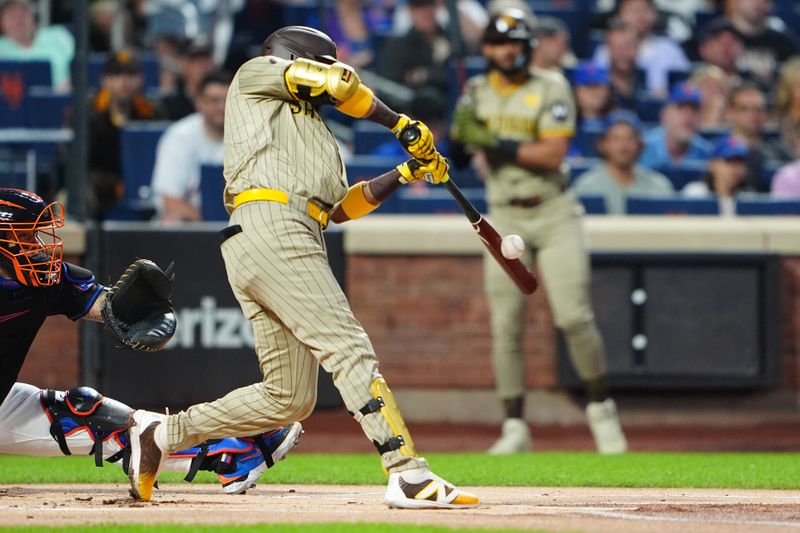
[(36, 283)]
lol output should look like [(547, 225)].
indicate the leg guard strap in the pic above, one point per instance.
[(84, 408), (395, 443)]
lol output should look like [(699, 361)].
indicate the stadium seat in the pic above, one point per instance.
[(677, 76), (48, 109), (649, 107), (684, 173), (767, 172), (593, 204), (586, 139), (364, 167), (424, 199), (767, 206), (16, 80), (212, 185), (576, 17), (671, 206), (150, 68), (368, 136), (138, 141)]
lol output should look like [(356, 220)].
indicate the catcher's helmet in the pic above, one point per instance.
[(511, 25), (30, 250), (293, 42)]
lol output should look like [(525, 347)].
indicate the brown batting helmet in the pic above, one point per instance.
[(293, 42)]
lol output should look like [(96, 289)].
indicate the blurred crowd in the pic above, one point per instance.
[(661, 85)]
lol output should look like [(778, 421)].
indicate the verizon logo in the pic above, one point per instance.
[(210, 326)]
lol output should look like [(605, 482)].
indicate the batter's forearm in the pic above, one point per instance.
[(364, 197)]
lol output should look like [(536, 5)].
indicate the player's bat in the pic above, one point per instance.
[(516, 269)]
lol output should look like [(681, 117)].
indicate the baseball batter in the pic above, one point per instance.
[(522, 120), (34, 284), (284, 180)]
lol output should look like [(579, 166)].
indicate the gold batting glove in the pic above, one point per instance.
[(422, 148), (321, 83), (433, 171)]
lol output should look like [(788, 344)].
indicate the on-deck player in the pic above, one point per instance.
[(284, 180), (35, 283), (522, 119)]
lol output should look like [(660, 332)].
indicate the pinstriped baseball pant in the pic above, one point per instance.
[(279, 271)]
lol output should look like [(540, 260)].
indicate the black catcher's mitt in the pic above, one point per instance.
[(138, 308)]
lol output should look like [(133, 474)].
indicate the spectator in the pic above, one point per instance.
[(719, 44), (418, 59), (592, 93), (726, 176), (765, 48), (676, 140), (787, 100), (187, 145), (657, 54), (622, 43), (747, 115), (552, 50), (618, 176), (195, 63), (786, 182), (22, 40), (714, 89), (118, 102), (472, 18)]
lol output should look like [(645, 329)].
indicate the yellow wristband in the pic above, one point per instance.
[(360, 104), (355, 203)]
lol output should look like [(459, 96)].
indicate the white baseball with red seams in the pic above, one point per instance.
[(512, 246)]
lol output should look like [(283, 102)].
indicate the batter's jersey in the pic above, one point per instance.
[(23, 310), (539, 108), (275, 142)]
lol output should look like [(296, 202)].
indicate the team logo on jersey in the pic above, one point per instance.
[(559, 111), (532, 99)]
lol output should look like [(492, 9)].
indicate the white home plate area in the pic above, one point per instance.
[(549, 509)]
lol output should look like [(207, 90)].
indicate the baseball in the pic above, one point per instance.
[(512, 246)]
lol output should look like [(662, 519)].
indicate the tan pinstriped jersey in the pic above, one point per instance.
[(275, 142), (541, 107)]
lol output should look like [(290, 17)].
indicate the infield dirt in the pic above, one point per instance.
[(550, 509)]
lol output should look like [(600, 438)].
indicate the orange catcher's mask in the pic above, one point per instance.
[(30, 250)]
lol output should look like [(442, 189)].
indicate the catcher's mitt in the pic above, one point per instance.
[(138, 308)]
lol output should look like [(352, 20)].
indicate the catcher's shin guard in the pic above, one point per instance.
[(383, 402), (84, 408)]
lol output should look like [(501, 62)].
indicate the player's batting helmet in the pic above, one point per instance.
[(30, 250), (511, 25), (293, 42)]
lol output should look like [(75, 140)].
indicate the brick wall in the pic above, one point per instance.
[(428, 320)]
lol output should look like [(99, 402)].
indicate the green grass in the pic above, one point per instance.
[(560, 469), (261, 528)]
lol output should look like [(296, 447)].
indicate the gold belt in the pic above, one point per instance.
[(314, 210)]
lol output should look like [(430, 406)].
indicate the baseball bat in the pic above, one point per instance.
[(519, 273)]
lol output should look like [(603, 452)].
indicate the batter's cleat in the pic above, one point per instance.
[(146, 457), (515, 437), (268, 449), (422, 489), (605, 427)]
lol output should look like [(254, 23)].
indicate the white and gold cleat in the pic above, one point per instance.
[(422, 489), (146, 457)]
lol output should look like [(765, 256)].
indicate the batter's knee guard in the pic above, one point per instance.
[(383, 402), (84, 408)]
